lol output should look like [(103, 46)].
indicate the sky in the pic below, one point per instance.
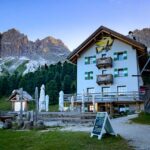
[(72, 21)]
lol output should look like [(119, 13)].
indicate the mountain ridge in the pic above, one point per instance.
[(15, 43), (19, 53), (143, 36)]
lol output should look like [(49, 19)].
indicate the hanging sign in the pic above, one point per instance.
[(104, 43)]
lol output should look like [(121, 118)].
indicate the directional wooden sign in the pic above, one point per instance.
[(102, 125)]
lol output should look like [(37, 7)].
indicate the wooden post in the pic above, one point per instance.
[(83, 98), (111, 109), (21, 100), (93, 100), (37, 103)]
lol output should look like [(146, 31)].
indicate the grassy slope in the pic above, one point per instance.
[(22, 67), (143, 118), (9, 63), (55, 140)]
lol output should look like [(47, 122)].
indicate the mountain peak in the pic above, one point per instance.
[(13, 30)]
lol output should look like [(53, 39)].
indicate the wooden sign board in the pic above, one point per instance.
[(102, 125)]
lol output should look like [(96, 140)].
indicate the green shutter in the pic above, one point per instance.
[(87, 60), (115, 73), (94, 59), (125, 55), (115, 56), (91, 75), (86, 75), (125, 70)]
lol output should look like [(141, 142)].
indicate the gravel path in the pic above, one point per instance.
[(136, 134)]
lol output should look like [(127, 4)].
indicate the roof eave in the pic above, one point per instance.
[(74, 55)]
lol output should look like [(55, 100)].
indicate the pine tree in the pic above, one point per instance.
[(51, 90)]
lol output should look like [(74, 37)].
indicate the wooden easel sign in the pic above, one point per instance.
[(102, 125)]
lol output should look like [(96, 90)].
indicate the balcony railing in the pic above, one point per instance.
[(104, 62), (105, 79)]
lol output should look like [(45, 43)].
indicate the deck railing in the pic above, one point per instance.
[(105, 97)]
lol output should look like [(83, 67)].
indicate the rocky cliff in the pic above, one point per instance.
[(14, 43), (143, 36)]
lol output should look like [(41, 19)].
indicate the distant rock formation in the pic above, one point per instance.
[(143, 36), (14, 43)]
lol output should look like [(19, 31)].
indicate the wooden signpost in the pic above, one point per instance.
[(102, 125)]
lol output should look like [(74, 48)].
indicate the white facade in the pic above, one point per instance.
[(129, 82)]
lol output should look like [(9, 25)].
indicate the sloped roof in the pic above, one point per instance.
[(141, 48), (26, 96)]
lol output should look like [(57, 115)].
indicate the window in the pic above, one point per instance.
[(90, 60), (121, 72), (89, 75), (121, 90), (103, 55), (120, 55), (104, 72), (90, 90), (91, 108), (105, 91)]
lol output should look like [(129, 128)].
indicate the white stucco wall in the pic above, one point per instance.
[(131, 63)]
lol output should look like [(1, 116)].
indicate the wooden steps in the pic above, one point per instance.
[(68, 117)]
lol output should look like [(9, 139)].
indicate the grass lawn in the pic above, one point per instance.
[(5, 104), (143, 118), (53, 108), (57, 140)]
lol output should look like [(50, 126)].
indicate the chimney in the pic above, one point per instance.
[(131, 35)]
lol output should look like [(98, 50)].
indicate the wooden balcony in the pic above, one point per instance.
[(104, 62), (105, 79)]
